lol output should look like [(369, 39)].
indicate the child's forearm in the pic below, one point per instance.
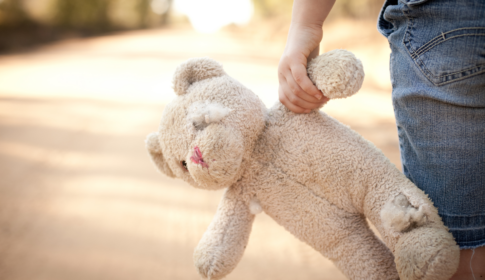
[(306, 24), (296, 91), (311, 13)]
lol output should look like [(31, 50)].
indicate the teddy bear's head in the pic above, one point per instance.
[(208, 132)]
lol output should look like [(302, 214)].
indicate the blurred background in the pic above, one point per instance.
[(82, 82)]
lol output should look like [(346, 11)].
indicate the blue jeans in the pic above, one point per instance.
[(437, 69)]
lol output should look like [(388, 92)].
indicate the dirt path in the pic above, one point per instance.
[(79, 198)]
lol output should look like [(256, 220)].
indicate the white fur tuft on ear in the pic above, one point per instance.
[(337, 73), (193, 70)]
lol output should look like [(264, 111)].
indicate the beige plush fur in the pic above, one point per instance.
[(314, 176)]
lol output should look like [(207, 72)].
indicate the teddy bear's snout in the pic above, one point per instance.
[(214, 159), (197, 157)]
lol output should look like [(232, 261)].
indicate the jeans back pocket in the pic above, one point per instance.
[(449, 56)]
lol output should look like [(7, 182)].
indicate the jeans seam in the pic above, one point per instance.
[(465, 76), (429, 46), (406, 41), (473, 242), (442, 38), (465, 216), (426, 72), (415, 54), (466, 229)]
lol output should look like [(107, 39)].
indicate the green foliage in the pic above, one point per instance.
[(104, 15), (12, 13), (342, 8), (25, 23), (142, 8), (82, 14), (271, 8), (357, 8)]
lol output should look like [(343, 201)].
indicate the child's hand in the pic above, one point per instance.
[(296, 91)]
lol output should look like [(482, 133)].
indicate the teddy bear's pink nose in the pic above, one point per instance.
[(197, 157)]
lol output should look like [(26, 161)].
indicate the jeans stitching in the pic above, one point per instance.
[(415, 54), (478, 242), (466, 229), (442, 80), (474, 71), (439, 39), (421, 51), (406, 40), (466, 216)]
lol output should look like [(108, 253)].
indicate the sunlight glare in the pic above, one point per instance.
[(159, 7), (210, 15)]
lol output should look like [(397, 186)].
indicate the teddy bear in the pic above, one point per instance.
[(314, 176)]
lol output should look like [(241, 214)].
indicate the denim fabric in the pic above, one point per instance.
[(437, 69)]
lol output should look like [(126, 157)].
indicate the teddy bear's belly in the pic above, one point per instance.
[(308, 216), (320, 153)]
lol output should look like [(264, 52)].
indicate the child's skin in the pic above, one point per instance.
[(296, 91), (299, 95)]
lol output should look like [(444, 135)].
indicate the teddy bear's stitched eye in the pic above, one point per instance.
[(199, 126), (184, 165)]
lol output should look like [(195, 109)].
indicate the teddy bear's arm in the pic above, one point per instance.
[(153, 147), (223, 244)]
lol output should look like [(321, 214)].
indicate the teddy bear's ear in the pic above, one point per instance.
[(153, 147), (337, 73), (194, 70)]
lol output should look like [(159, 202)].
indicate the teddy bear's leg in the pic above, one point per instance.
[(358, 253), (223, 244), (410, 226), (426, 253)]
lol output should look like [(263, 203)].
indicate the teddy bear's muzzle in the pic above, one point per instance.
[(197, 158), (214, 161)]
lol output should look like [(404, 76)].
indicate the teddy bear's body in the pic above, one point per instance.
[(314, 183), (314, 176)]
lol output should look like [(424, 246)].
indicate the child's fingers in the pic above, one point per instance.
[(294, 108), (300, 76), (295, 99), (292, 88), (292, 95), (299, 92)]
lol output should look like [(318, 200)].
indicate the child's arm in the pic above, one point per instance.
[(296, 91)]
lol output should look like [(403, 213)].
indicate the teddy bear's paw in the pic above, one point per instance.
[(210, 266), (398, 215), (337, 73), (427, 253)]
